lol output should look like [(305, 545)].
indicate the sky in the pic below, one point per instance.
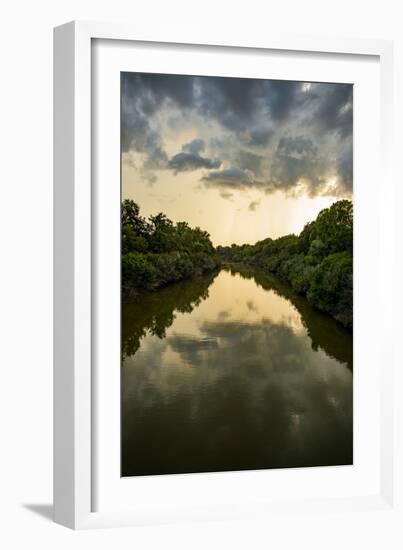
[(244, 159)]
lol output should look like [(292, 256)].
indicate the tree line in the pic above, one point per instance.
[(318, 263), (156, 251)]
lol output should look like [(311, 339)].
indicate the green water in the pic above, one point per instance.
[(232, 371)]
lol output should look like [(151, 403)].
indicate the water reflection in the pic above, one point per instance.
[(154, 312), (231, 372), (324, 332)]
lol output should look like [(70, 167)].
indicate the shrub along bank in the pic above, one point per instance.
[(318, 263), (156, 252)]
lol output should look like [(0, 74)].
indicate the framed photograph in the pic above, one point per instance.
[(222, 213)]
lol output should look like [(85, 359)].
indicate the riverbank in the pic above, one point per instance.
[(346, 321), (325, 332), (157, 252), (149, 272), (317, 264)]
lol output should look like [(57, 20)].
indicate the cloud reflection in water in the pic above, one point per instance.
[(227, 386)]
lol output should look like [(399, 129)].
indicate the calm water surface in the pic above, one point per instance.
[(232, 371)]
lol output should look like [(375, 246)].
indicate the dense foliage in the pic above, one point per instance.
[(156, 251), (318, 263)]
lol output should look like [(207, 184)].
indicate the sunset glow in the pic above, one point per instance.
[(244, 159)]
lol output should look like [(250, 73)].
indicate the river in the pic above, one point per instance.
[(233, 371)]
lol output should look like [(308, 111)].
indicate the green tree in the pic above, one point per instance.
[(317, 263)]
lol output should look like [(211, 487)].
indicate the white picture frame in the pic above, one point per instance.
[(76, 392)]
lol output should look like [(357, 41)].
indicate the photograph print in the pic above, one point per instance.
[(236, 274)]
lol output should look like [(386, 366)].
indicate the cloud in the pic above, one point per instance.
[(345, 170), (147, 91), (268, 134), (260, 137), (299, 145), (253, 205), (128, 159), (282, 98), (142, 95), (334, 110), (276, 370), (149, 177), (192, 350), (237, 102), (232, 178), (297, 162), (189, 158), (232, 101), (297, 166), (249, 161), (226, 194), (196, 146), (294, 166), (157, 157), (287, 172), (183, 162)]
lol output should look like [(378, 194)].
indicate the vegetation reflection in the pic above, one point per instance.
[(233, 371)]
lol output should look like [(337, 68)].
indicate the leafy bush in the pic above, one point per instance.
[(331, 288), (137, 267), (157, 252)]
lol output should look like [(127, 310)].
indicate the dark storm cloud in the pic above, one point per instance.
[(260, 137), (345, 170), (232, 178), (136, 132), (334, 110), (249, 161), (298, 145), (288, 171), (157, 157), (190, 159), (282, 98), (183, 162), (295, 165), (267, 134), (148, 91), (233, 102), (238, 102), (297, 160), (142, 96), (196, 146)]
